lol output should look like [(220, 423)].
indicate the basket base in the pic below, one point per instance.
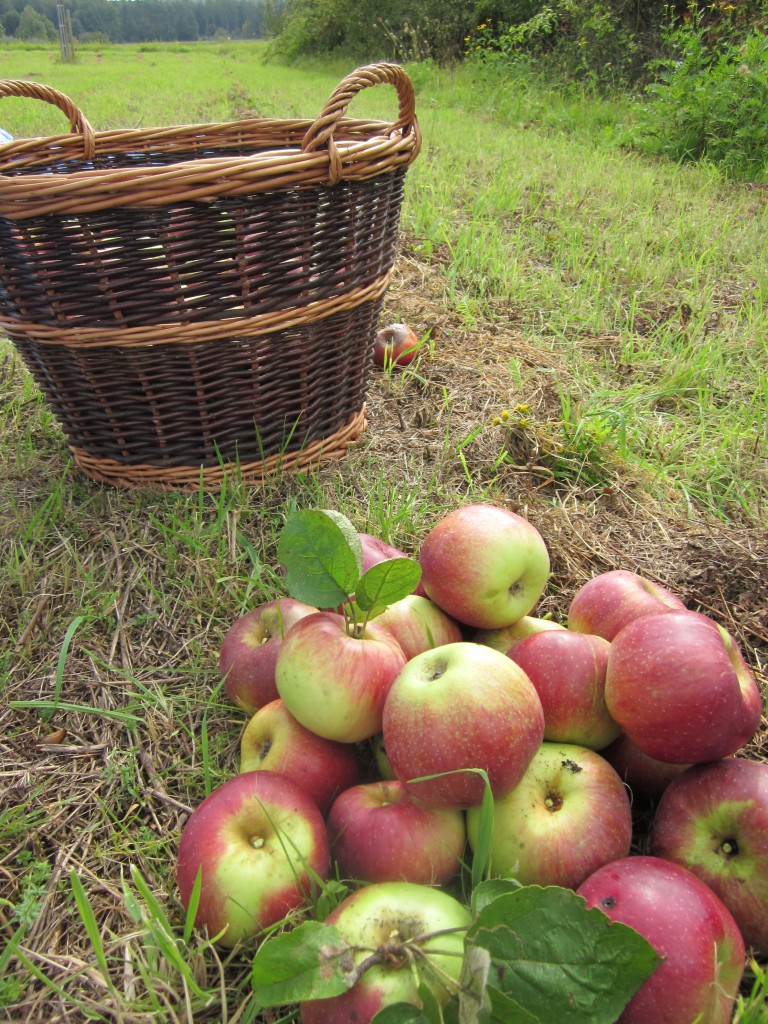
[(212, 478)]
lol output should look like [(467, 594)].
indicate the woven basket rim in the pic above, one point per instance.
[(288, 153)]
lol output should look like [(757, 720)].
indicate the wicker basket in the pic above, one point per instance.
[(199, 297)]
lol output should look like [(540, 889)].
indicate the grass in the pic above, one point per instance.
[(614, 308)]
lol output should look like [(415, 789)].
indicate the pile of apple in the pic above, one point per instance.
[(455, 687)]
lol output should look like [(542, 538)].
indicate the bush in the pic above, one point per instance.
[(404, 30), (710, 101), (605, 42)]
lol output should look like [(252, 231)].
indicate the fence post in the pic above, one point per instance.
[(66, 38)]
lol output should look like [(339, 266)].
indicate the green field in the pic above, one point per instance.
[(595, 359)]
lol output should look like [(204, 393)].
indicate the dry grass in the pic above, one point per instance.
[(128, 730)]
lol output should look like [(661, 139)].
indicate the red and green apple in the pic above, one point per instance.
[(255, 840)]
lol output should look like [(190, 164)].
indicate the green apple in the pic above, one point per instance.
[(390, 919), (335, 680), (505, 637)]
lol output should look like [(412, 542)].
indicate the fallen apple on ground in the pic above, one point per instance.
[(568, 670), (679, 687), (419, 625), (256, 840), (688, 925), (484, 565), (504, 638), (395, 345), (457, 707), (334, 681), (249, 651), (645, 776), (611, 600), (379, 833)]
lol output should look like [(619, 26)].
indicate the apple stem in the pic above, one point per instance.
[(409, 949), (443, 931), (353, 626)]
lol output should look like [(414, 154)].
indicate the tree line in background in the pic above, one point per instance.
[(609, 40), (697, 68), (140, 21), (701, 64)]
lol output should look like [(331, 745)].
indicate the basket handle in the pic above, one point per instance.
[(77, 119), (321, 132)]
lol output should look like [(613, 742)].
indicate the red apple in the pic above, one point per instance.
[(395, 345), (608, 602), (568, 671), (376, 550), (456, 707), (645, 776), (679, 687), (383, 924), (506, 637), (334, 681), (688, 925), (484, 565), (418, 625), (568, 815), (379, 833), (250, 648), (713, 820), (256, 840), (274, 740)]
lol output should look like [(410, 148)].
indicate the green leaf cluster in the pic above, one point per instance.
[(322, 559), (532, 955)]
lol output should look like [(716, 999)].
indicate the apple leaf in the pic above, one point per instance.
[(406, 1013), (489, 890), (351, 536), (385, 583), (311, 961), (481, 1004), (557, 959), (401, 1013), (321, 569), (505, 1010)]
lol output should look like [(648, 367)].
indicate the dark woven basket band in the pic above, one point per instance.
[(191, 478), (189, 333)]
